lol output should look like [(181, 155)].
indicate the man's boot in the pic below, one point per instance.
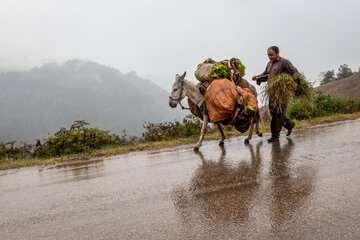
[(273, 139), (290, 127), (288, 124)]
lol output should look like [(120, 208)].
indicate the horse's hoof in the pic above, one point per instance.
[(260, 134), (247, 141), (196, 149), (221, 143)]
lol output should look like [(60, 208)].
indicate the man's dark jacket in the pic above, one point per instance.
[(277, 66)]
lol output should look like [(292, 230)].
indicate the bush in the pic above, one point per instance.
[(357, 104), (300, 110), (322, 105), (326, 104), (77, 139), (7, 150), (170, 130)]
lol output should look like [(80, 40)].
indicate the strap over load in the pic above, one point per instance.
[(220, 99)]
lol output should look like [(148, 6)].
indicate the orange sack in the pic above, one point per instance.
[(220, 99), (249, 97)]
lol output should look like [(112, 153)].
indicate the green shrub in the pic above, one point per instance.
[(190, 126), (300, 110), (322, 105), (357, 104), (77, 139), (326, 104)]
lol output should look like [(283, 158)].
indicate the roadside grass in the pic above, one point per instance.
[(110, 150)]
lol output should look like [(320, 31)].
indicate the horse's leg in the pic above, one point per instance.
[(257, 125), (221, 143), (203, 131), (247, 140)]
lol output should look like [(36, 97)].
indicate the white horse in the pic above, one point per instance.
[(182, 88)]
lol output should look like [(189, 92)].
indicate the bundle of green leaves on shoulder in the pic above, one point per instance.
[(281, 89)]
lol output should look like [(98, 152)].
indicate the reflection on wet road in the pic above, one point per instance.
[(305, 187)]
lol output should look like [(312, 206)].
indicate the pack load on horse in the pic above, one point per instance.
[(222, 96)]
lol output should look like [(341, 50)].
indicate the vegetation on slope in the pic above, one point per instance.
[(86, 142)]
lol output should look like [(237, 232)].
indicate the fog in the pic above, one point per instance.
[(165, 37), (38, 102)]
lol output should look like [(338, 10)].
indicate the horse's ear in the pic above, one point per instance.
[(177, 77), (183, 76)]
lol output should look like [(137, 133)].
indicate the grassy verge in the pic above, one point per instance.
[(115, 150)]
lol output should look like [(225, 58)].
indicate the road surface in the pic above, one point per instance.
[(305, 187)]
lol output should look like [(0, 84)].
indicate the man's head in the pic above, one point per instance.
[(273, 52)]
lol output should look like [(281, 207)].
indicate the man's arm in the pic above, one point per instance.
[(293, 71), (263, 77)]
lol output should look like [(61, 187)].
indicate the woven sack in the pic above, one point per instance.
[(202, 72)]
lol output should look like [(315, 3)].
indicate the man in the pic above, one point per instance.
[(276, 66)]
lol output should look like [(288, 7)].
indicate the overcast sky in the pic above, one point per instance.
[(166, 37)]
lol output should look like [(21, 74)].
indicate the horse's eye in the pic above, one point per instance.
[(175, 89)]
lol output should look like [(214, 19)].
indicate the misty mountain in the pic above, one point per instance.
[(163, 82), (40, 101)]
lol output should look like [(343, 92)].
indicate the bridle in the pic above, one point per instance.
[(179, 98)]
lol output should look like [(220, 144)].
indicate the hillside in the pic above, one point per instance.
[(40, 101), (345, 88)]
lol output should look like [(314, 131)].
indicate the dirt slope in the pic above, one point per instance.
[(345, 88)]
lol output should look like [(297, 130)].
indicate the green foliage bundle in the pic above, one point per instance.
[(171, 130), (218, 71), (304, 90), (280, 90), (241, 68)]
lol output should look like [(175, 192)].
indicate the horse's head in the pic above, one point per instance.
[(177, 90)]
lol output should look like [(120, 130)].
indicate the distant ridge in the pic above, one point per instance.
[(40, 101), (344, 88)]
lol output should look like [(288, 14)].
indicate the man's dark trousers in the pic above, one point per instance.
[(278, 120)]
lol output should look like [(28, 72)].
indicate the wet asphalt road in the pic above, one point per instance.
[(305, 187)]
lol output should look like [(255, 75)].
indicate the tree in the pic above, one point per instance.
[(327, 77), (343, 72)]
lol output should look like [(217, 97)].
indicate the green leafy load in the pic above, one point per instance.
[(281, 88), (218, 71), (304, 89), (241, 68)]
